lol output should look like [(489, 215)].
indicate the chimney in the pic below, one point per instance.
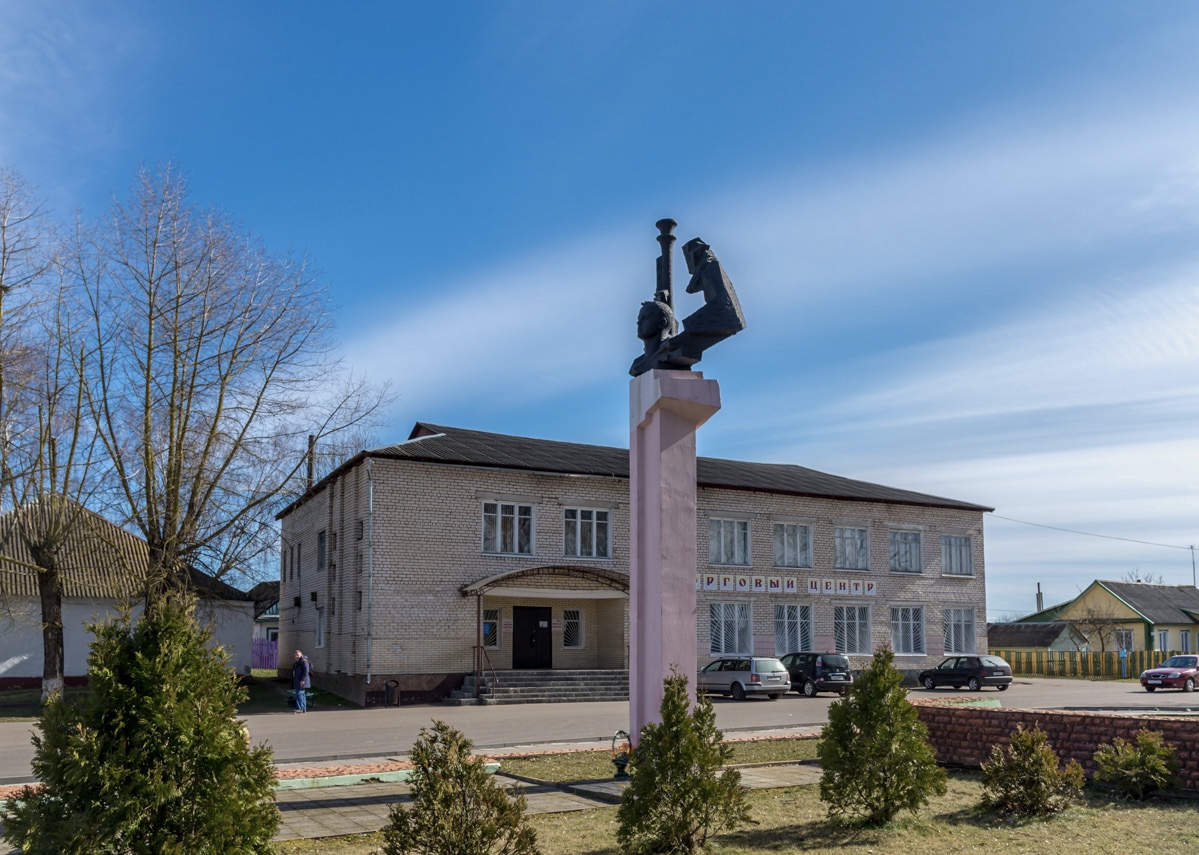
[(1040, 599), (311, 462)]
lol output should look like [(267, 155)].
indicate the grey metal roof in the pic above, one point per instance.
[(1160, 604), (1004, 635), (98, 559), (439, 444)]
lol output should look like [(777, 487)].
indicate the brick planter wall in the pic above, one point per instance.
[(963, 735)]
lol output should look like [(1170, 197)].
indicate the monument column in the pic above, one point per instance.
[(665, 408)]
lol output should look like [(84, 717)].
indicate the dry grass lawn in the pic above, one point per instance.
[(793, 821)]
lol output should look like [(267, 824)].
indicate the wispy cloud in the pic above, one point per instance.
[(1069, 401), (62, 66)]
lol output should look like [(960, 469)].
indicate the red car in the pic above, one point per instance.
[(1177, 672)]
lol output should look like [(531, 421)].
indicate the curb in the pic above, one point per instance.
[(397, 776)]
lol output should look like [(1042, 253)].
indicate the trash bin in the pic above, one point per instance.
[(391, 693)]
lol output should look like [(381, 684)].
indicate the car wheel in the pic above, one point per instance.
[(1189, 685), (1151, 688), (929, 684), (809, 688), (1002, 688), (774, 696), (738, 692), (974, 684)]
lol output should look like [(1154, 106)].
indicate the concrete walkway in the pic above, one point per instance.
[(312, 812)]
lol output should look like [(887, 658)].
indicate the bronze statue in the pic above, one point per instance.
[(718, 318)]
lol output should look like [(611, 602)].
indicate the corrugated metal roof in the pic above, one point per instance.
[(1160, 604), (439, 444), (98, 560), (1004, 635)]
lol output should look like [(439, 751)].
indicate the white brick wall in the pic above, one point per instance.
[(427, 544)]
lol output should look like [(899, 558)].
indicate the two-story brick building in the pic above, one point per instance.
[(402, 561)]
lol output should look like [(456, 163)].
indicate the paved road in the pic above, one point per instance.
[(321, 735)]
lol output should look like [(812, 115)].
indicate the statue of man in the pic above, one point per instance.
[(717, 319), (720, 315)]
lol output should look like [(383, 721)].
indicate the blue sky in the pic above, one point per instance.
[(964, 235)]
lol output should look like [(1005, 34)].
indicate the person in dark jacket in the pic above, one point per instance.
[(301, 679)]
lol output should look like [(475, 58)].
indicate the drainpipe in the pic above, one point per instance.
[(478, 644), (370, 563)]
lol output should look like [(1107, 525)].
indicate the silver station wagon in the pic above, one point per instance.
[(740, 676)]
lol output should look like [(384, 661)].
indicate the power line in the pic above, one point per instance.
[(1093, 534)]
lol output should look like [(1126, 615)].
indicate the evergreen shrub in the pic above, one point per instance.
[(1025, 779), (1138, 768), (678, 798), (457, 807), (875, 755), (153, 759)]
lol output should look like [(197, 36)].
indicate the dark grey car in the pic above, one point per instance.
[(972, 671), (818, 672)]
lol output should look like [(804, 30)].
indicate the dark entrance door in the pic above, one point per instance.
[(531, 639)]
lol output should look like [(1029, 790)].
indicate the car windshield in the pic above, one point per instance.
[(1180, 662), (765, 666), (994, 662)]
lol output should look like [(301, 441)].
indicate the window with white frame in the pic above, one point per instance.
[(491, 629), (1184, 640), (959, 630), (957, 556), (851, 629), (792, 545), (792, 629), (905, 552), (1122, 637), (729, 628), (728, 543), (572, 629), (320, 627), (586, 533), (850, 548), (1163, 639), (507, 528), (907, 630)]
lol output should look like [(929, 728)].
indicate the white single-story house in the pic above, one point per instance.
[(101, 570)]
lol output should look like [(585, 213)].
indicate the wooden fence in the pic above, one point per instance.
[(1072, 663), (264, 653)]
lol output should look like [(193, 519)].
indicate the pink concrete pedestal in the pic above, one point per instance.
[(665, 408)]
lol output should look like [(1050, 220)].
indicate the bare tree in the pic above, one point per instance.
[(46, 444), (208, 363), (1099, 625), (1143, 578)]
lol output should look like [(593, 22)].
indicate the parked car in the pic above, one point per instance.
[(818, 672), (972, 671), (744, 675), (1177, 672)]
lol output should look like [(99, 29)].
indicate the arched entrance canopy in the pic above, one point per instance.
[(611, 583)]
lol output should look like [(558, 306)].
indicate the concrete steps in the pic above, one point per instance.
[(544, 687)]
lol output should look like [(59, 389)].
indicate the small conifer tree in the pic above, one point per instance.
[(153, 759), (457, 807), (1025, 779), (1140, 767), (875, 754), (676, 799)]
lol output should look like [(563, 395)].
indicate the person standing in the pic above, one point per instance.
[(301, 679)]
